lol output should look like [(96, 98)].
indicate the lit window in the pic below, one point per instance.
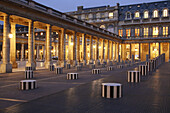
[(86, 16), (155, 13), (110, 15), (146, 14), (137, 31), (145, 32), (137, 15), (155, 31), (165, 12), (94, 16), (102, 26), (128, 32), (165, 31), (120, 32)]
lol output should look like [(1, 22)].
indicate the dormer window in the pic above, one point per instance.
[(165, 12), (146, 14), (155, 13), (111, 15), (137, 14), (102, 26), (128, 15)]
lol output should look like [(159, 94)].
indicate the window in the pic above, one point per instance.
[(145, 32), (128, 32), (137, 14), (155, 13), (102, 26), (146, 14), (155, 31), (128, 15), (137, 31), (79, 17), (120, 32), (110, 15), (102, 15), (94, 16), (165, 31), (165, 12), (86, 16)]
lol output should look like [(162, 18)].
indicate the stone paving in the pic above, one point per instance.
[(151, 95)]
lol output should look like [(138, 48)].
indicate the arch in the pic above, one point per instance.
[(146, 14), (128, 15), (137, 14), (165, 12), (155, 13), (103, 26)]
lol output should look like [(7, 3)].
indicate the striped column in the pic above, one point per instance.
[(91, 66), (71, 76), (78, 67), (143, 69), (67, 66), (51, 67), (29, 74), (96, 71), (133, 76), (111, 90), (28, 68), (120, 66), (59, 70), (150, 66), (28, 84), (110, 68)]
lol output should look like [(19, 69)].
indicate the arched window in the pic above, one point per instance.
[(137, 14), (146, 14), (102, 26), (155, 13), (165, 12), (111, 15), (128, 15)]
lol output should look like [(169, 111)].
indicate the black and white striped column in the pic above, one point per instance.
[(78, 67), (28, 84), (91, 66), (71, 76), (143, 69), (96, 71), (150, 66), (120, 66), (133, 76), (29, 74), (67, 66), (28, 68), (59, 70), (111, 90), (51, 67), (110, 68)]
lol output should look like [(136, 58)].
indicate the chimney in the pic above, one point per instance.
[(79, 8)]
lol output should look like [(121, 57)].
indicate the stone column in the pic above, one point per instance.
[(44, 53), (38, 53), (13, 47), (108, 52), (22, 52), (91, 49), (159, 48), (112, 51), (130, 51), (149, 50), (84, 48), (78, 49), (69, 49), (48, 47), (103, 50), (62, 48), (75, 53), (97, 49), (139, 51), (115, 51), (31, 62), (6, 67), (56, 48)]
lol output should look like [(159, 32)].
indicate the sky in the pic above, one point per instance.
[(71, 5)]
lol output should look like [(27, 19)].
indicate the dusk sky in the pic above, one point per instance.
[(71, 5)]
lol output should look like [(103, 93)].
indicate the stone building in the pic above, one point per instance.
[(144, 28)]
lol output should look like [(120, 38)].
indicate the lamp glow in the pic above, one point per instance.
[(10, 35)]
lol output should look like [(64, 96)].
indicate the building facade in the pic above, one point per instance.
[(144, 28)]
